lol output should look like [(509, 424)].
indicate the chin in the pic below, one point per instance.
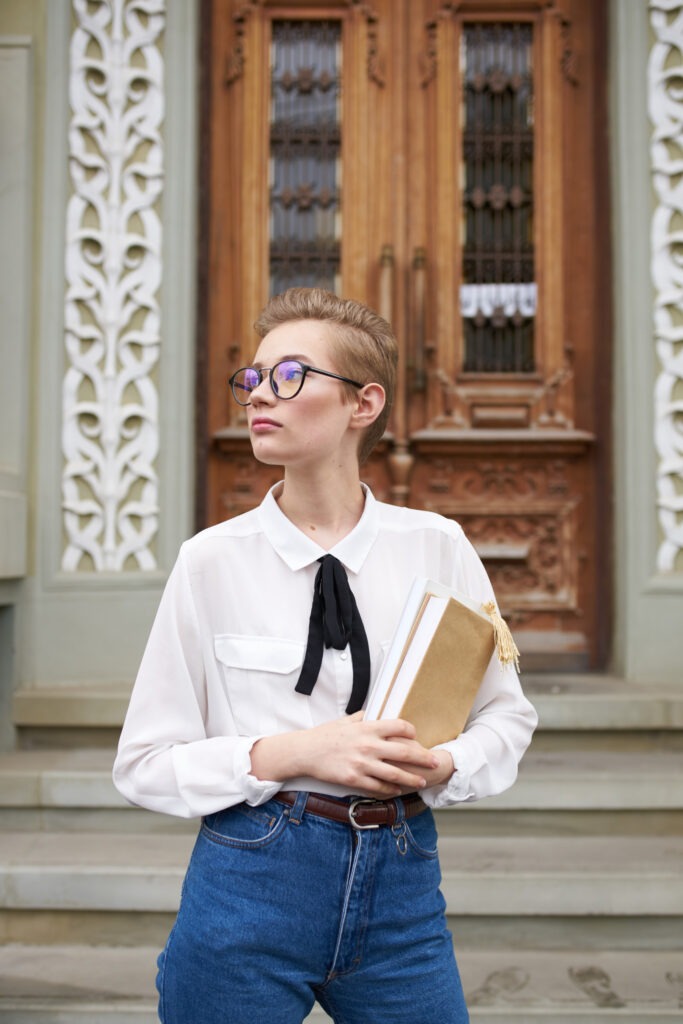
[(265, 458)]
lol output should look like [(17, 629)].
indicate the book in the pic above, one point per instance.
[(437, 658)]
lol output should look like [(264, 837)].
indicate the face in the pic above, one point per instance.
[(314, 427)]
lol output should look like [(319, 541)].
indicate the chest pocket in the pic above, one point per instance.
[(259, 675)]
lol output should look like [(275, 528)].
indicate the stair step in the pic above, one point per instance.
[(99, 985), (521, 876), (567, 779), (568, 888), (71, 706), (564, 702), (92, 871), (593, 780), (58, 778), (539, 875), (597, 702)]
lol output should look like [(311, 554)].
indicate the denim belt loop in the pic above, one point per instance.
[(298, 808)]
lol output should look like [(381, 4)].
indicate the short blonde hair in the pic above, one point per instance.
[(363, 344)]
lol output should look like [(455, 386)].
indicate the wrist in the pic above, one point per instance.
[(446, 766), (278, 757)]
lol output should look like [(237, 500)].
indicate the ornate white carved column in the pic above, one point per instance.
[(110, 435), (665, 90)]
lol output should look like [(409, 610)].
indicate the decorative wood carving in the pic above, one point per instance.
[(234, 65), (522, 514), (375, 60), (568, 60), (110, 434), (429, 57), (529, 556), (504, 479)]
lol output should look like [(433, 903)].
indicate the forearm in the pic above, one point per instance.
[(381, 759), (279, 757), (188, 779)]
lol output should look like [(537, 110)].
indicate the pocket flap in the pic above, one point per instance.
[(259, 653)]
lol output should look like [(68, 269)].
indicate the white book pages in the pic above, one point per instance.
[(420, 588), (411, 608), (407, 670)]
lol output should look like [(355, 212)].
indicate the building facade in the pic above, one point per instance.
[(111, 211)]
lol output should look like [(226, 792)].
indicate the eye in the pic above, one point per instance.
[(289, 371), (252, 378)]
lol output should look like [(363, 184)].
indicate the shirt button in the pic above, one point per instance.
[(344, 655)]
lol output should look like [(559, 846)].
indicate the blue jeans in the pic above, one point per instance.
[(281, 908)]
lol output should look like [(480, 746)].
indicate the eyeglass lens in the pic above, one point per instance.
[(286, 379)]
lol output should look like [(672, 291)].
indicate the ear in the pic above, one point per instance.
[(369, 403)]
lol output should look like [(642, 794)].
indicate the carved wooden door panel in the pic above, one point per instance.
[(443, 162)]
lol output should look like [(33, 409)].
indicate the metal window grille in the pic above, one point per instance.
[(498, 292), (305, 146)]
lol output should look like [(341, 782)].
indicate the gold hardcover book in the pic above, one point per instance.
[(437, 660)]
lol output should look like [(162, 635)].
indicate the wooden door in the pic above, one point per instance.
[(445, 163)]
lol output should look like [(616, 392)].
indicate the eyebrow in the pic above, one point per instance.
[(258, 365)]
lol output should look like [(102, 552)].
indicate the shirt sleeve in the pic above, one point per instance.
[(487, 753), (166, 761)]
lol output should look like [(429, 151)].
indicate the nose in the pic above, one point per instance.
[(262, 393)]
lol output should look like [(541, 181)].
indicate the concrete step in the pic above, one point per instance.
[(518, 876), (643, 779), (564, 702), (602, 702), (96, 705), (86, 985)]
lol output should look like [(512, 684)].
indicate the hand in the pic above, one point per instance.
[(378, 759), (442, 772)]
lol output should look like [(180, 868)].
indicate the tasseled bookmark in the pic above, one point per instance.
[(506, 647)]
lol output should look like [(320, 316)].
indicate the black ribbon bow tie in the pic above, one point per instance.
[(335, 622)]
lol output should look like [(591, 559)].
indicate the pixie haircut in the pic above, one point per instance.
[(363, 344)]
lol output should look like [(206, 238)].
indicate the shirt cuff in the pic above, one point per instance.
[(256, 791), (458, 788)]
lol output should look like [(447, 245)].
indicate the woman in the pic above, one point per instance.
[(315, 874)]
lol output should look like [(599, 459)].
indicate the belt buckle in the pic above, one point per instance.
[(352, 812)]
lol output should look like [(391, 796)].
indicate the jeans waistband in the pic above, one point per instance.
[(358, 812)]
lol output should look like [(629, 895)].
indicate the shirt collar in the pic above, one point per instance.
[(298, 550)]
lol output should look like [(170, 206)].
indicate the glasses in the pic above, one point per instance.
[(286, 379)]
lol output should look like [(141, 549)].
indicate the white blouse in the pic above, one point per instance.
[(226, 648)]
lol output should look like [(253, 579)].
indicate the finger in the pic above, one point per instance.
[(382, 790), (395, 727), (410, 752), (393, 774)]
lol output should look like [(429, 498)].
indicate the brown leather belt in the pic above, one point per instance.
[(361, 812)]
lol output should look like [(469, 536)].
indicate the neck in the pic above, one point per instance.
[(325, 510)]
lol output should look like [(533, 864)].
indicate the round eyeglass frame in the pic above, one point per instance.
[(261, 371)]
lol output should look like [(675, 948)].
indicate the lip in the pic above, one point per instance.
[(263, 424)]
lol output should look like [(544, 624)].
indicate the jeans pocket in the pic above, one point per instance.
[(246, 827), (421, 835)]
